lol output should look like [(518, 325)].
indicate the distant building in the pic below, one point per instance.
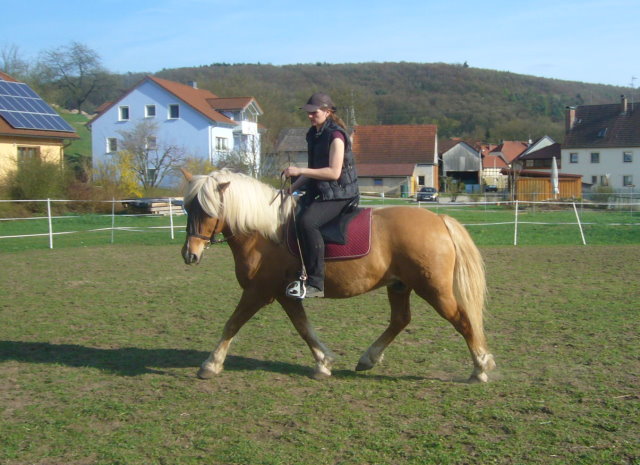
[(391, 159), (396, 159), (602, 144), (29, 127), (201, 124)]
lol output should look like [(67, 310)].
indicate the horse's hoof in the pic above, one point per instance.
[(321, 375), (206, 373), (478, 378), (363, 366)]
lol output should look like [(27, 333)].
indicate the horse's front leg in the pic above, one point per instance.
[(249, 304), (322, 355)]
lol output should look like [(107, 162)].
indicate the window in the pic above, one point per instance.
[(377, 181), (151, 143), (604, 180), (528, 164), (123, 113), (573, 157), (150, 175), (595, 157), (594, 179), (627, 157), (421, 180), (174, 111), (27, 154), (112, 145), (150, 111), (627, 181), (222, 144)]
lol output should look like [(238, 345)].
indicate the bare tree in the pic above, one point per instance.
[(12, 63), (150, 159), (75, 69)]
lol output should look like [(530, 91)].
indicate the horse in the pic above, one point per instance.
[(412, 250)]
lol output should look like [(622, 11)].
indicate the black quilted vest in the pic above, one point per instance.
[(318, 144)]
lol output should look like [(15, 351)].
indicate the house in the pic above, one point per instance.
[(290, 149), (540, 154), (396, 159), (462, 162), (29, 127), (197, 122), (602, 144)]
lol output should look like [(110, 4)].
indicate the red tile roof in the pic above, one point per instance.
[(232, 103), (493, 161), (198, 99), (389, 144), (510, 149), (6, 77)]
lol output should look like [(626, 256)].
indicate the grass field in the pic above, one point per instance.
[(99, 347), (488, 224)]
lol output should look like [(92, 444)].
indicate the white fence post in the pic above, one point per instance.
[(113, 218), (584, 242), (50, 224), (515, 231), (171, 218)]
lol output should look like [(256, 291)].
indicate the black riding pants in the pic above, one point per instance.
[(313, 217)]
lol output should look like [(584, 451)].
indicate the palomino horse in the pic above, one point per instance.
[(412, 249)]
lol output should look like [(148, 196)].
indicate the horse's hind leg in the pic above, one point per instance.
[(323, 356), (399, 298), (447, 306), (249, 304)]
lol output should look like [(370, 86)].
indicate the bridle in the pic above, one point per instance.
[(192, 232)]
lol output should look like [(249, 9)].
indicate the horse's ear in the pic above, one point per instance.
[(188, 176), (223, 186)]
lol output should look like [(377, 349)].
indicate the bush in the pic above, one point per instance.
[(35, 180)]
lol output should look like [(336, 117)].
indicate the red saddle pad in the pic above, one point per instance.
[(358, 244)]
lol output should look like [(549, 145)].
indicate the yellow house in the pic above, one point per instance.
[(29, 127)]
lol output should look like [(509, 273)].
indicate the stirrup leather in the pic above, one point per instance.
[(296, 290)]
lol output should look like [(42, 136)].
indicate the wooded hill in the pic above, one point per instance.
[(464, 102)]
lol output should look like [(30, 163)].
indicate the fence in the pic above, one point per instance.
[(544, 219)]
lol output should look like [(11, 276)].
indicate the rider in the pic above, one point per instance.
[(330, 181)]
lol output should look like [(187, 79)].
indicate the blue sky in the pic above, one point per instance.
[(594, 41)]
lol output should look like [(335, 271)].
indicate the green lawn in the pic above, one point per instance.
[(488, 224), (99, 347)]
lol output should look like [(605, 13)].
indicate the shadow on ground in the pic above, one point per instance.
[(134, 361)]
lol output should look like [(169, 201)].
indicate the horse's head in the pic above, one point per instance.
[(201, 226)]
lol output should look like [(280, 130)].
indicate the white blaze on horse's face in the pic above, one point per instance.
[(194, 245)]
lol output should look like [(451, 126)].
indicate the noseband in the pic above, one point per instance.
[(192, 230)]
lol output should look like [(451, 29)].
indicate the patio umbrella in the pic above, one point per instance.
[(554, 178)]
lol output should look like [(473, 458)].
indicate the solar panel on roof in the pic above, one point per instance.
[(22, 108)]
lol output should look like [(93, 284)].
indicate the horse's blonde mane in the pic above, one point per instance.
[(245, 205)]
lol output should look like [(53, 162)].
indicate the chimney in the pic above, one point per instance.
[(570, 119), (193, 84), (623, 105)]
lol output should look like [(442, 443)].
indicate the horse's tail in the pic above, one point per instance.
[(469, 281)]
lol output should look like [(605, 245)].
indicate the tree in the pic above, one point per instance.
[(12, 63), (75, 69), (148, 158)]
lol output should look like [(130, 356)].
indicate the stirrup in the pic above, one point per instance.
[(296, 290)]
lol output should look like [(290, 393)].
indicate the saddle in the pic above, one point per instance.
[(348, 236)]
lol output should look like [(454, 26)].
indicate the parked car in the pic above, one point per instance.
[(427, 194), (491, 188)]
